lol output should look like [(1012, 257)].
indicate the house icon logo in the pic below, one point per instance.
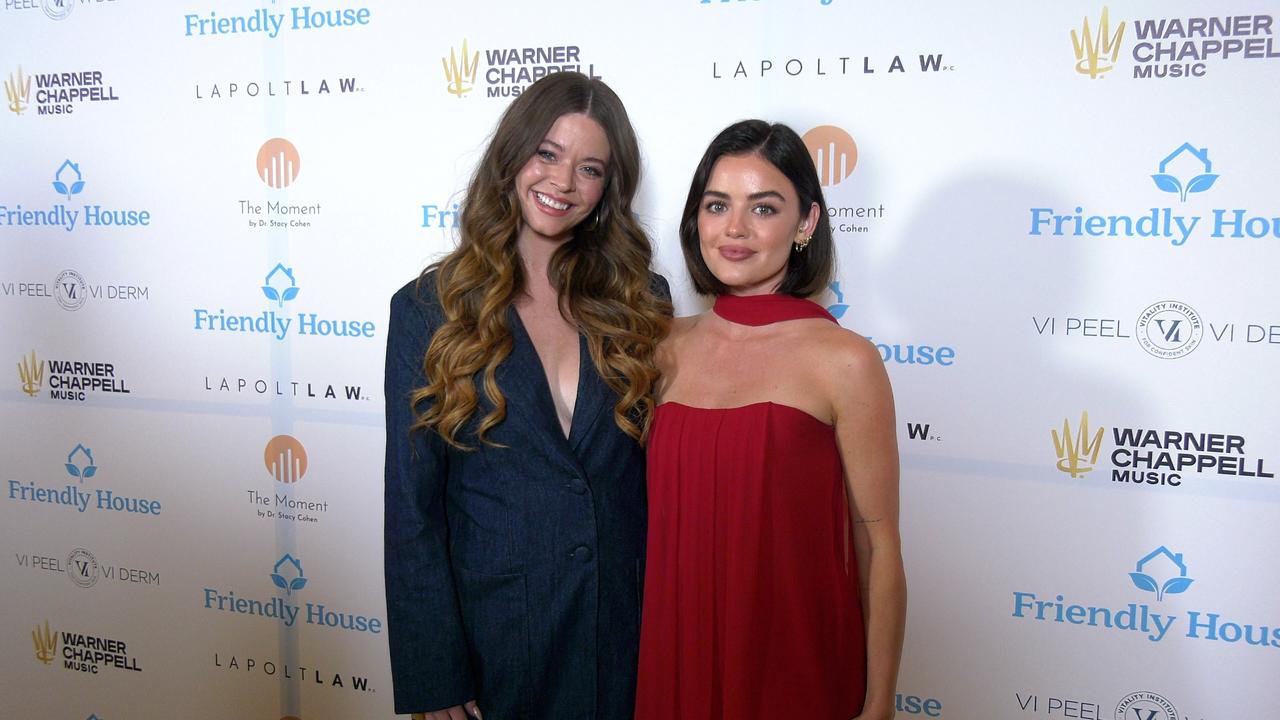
[(63, 181), (838, 308), (287, 574), (1161, 563), (1191, 159), (274, 287)]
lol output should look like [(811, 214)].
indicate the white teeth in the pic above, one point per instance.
[(549, 202)]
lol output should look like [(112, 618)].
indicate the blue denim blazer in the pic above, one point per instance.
[(513, 574)]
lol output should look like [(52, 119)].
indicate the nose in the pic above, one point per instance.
[(561, 177), (736, 224)]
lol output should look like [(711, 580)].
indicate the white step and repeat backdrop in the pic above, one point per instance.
[(1059, 223)]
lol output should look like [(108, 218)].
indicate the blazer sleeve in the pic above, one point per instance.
[(429, 659)]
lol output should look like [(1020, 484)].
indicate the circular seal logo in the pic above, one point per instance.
[(1169, 329), (58, 9), (69, 290), (1145, 705), (82, 568)]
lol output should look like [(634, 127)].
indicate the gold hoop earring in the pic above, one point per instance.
[(801, 245)]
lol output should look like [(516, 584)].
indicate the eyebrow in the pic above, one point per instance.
[(752, 197), (558, 146)]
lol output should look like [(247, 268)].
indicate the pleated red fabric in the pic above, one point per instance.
[(751, 606)]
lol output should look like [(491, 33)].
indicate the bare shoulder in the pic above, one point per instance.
[(677, 337), (848, 367)]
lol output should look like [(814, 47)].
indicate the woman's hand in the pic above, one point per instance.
[(457, 712)]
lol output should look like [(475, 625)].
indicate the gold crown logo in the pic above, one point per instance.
[(18, 89), (460, 70), (1096, 53), (32, 374), (1077, 453), (46, 643)]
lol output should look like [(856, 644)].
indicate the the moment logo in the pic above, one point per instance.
[(834, 153), (285, 459), (278, 163)]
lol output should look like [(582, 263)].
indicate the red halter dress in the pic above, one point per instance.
[(751, 606)]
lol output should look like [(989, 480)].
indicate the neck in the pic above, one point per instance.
[(535, 255)]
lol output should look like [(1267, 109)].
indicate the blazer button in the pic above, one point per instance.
[(582, 553), (577, 486)]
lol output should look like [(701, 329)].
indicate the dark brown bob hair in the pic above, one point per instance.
[(808, 271)]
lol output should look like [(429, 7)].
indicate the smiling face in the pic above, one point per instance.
[(564, 180), (748, 221)]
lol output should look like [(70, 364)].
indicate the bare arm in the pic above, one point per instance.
[(865, 430)]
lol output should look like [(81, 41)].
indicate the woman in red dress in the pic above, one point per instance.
[(774, 585)]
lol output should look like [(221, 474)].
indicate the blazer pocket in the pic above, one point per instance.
[(495, 618)]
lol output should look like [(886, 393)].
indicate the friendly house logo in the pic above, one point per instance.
[(834, 153), (286, 459), (1199, 161), (278, 163), (263, 21), (1184, 172), (460, 70), (80, 466), (279, 287), (286, 575), (838, 308), (80, 463), (68, 182), (1161, 572), (1097, 47), (1173, 584)]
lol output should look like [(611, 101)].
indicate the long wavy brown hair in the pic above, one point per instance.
[(601, 273)]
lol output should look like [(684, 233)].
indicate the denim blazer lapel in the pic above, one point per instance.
[(524, 384)]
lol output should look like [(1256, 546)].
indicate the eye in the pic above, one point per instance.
[(765, 210), (715, 206), (547, 155), (593, 171)]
